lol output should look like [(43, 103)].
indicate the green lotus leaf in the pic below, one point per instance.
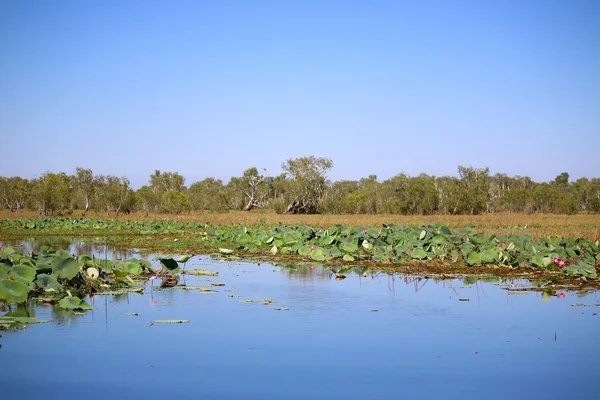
[(317, 255), (169, 263), (348, 257), (65, 268), (418, 253), (104, 265), (22, 273), (5, 252), (74, 303), (184, 258), (47, 282), (304, 251), (13, 291), (489, 256), (473, 258)]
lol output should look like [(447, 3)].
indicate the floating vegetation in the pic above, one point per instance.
[(74, 303), (281, 309), (201, 272), (132, 314), (171, 321), (263, 301), (53, 275), (10, 322), (386, 244)]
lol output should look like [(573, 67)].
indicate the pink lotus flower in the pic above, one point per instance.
[(500, 244), (558, 262), (153, 277), (364, 231), (312, 247), (312, 267), (560, 296)]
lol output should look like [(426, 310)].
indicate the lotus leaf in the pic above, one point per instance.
[(22, 273), (183, 259), (13, 291), (473, 258), (47, 283), (318, 255), (168, 263), (65, 268), (74, 303), (418, 253), (348, 257)]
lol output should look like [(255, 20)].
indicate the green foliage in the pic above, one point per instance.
[(74, 303), (307, 183), (208, 195), (303, 188), (13, 291), (55, 271)]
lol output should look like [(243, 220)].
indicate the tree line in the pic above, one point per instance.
[(302, 188)]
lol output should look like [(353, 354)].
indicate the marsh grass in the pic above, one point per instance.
[(585, 226)]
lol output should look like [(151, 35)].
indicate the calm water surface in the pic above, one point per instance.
[(379, 336)]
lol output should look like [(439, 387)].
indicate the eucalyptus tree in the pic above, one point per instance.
[(475, 185), (14, 193), (208, 195), (115, 195), (52, 193), (169, 189), (337, 198), (85, 187), (251, 187), (147, 199), (450, 195), (306, 183), (421, 196)]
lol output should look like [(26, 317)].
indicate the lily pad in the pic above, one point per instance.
[(183, 259), (74, 303), (48, 283), (13, 291), (22, 273), (65, 268)]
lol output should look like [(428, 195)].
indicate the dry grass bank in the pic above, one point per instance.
[(539, 225)]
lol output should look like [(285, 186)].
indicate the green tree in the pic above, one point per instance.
[(52, 193), (336, 199), (174, 202), (169, 189), (115, 195), (208, 195), (85, 187), (475, 185), (14, 193), (306, 184), (252, 189), (450, 195), (147, 199)]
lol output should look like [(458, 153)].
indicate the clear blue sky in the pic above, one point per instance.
[(210, 88)]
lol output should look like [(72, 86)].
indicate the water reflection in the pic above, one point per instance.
[(76, 246)]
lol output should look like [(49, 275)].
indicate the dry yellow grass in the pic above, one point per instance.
[(538, 225)]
